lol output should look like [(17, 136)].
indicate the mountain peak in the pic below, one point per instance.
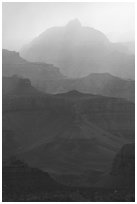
[(78, 51), (75, 23), (74, 92)]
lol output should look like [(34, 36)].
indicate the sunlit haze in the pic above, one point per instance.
[(24, 21)]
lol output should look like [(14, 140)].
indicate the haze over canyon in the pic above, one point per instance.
[(78, 51), (68, 111)]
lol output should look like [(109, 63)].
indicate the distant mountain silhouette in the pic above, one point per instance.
[(102, 84), (79, 51), (48, 79), (75, 94)]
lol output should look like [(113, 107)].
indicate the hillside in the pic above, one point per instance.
[(56, 133)]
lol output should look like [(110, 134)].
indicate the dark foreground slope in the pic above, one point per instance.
[(72, 137), (68, 135), (122, 173), (23, 183)]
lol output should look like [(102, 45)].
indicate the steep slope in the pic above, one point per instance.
[(122, 174), (79, 51)]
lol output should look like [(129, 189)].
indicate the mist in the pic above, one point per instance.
[(24, 21), (68, 102)]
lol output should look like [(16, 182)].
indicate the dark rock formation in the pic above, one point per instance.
[(17, 86), (124, 162), (122, 174)]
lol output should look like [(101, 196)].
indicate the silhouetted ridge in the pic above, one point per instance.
[(105, 74), (73, 93), (74, 24)]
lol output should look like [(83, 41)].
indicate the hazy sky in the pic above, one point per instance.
[(24, 21)]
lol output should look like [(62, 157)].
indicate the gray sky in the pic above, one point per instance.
[(24, 21)]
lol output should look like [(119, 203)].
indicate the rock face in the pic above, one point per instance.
[(79, 51), (13, 64), (17, 86), (11, 57), (124, 162), (122, 173)]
